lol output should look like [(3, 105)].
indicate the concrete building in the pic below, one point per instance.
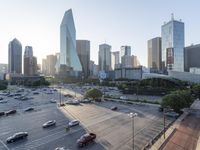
[(136, 62), (115, 61), (83, 49), (30, 62), (192, 57), (125, 50), (44, 66), (51, 65), (3, 68), (57, 63), (15, 57), (129, 73), (154, 54), (194, 70), (104, 57), (68, 52), (173, 45), (94, 69), (127, 61)]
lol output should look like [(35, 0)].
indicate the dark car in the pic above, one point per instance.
[(49, 124), (10, 112), (114, 108), (85, 139), (36, 93), (68, 95), (29, 109), (1, 98), (16, 137), (2, 113)]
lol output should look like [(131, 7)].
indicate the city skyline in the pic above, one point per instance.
[(32, 28)]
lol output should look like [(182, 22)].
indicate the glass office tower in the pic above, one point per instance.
[(173, 45), (68, 52)]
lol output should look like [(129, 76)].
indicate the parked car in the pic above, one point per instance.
[(16, 137), (1, 98), (3, 101), (2, 113), (73, 123), (114, 108), (36, 93), (10, 112), (68, 95), (53, 101), (172, 114), (61, 148), (29, 109), (124, 97), (85, 139), (72, 102), (160, 109), (85, 101), (49, 124)]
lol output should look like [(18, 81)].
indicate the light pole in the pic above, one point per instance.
[(164, 122), (133, 115)]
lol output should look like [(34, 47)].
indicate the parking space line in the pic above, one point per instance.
[(4, 145)]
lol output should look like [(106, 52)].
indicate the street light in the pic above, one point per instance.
[(133, 115)]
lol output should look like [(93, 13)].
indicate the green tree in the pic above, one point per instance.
[(93, 93), (177, 100), (196, 90)]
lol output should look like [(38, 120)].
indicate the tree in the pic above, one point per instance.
[(177, 100), (196, 90), (93, 93)]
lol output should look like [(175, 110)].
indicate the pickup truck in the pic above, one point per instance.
[(85, 139)]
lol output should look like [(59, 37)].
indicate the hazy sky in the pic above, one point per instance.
[(118, 22)]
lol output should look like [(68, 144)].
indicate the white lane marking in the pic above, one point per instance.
[(4, 145)]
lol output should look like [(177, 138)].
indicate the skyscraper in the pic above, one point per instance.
[(15, 57), (68, 52), (51, 65), (104, 57), (125, 50), (154, 54), (173, 45), (83, 49), (115, 60), (192, 55), (30, 62)]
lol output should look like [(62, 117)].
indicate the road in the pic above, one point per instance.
[(113, 128)]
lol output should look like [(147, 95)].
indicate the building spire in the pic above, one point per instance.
[(172, 16)]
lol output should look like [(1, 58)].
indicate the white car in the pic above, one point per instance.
[(73, 123), (124, 97), (49, 123), (53, 101), (3, 101)]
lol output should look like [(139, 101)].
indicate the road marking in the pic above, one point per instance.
[(4, 145)]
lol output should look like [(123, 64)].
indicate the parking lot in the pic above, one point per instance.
[(114, 128), (31, 122)]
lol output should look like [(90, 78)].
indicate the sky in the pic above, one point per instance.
[(116, 22)]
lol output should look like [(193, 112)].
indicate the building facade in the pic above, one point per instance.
[(115, 62), (125, 50), (15, 57), (104, 57), (51, 65), (129, 73), (30, 62), (192, 57), (68, 52), (83, 49), (154, 54), (173, 45)]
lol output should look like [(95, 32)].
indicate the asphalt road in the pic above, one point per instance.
[(114, 128), (31, 122)]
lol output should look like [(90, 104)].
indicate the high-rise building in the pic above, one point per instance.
[(104, 57), (15, 57), (57, 63), (115, 60), (30, 62), (68, 52), (93, 69), (154, 54), (127, 61), (125, 50), (44, 66), (51, 65), (192, 55), (173, 45), (136, 62), (83, 49)]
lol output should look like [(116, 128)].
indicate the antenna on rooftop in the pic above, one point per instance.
[(172, 16)]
